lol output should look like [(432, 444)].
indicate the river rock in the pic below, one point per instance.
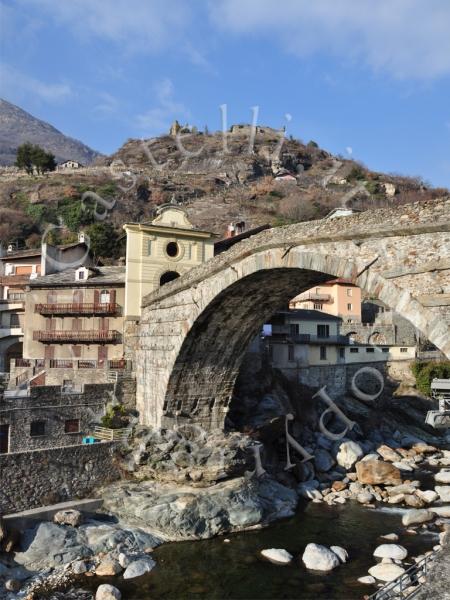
[(277, 556), (393, 537), (323, 460), (338, 486), (12, 585), (348, 454), (79, 567), (444, 492), (309, 489), (71, 517), (386, 572), (443, 476), (375, 472), (403, 488), (340, 552), (414, 501), (403, 466), (430, 496), (108, 567), (394, 551), (139, 567), (397, 499), (416, 516), (441, 511), (364, 497), (367, 579), (371, 456), (319, 558), (107, 592), (388, 454)]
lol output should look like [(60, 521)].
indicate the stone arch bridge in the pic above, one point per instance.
[(194, 331)]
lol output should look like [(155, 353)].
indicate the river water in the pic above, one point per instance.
[(215, 569)]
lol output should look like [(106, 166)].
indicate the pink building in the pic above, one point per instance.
[(337, 297)]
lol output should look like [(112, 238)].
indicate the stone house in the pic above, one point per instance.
[(69, 164), (73, 327), (17, 269)]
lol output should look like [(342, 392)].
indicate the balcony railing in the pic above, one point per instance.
[(78, 308), (69, 337)]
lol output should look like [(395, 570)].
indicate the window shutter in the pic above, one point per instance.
[(96, 297), (112, 295)]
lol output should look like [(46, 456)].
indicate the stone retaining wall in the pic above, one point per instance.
[(32, 479)]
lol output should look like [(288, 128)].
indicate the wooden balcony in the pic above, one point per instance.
[(74, 308), (93, 336)]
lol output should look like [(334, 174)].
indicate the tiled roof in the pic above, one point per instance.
[(100, 276), (21, 254)]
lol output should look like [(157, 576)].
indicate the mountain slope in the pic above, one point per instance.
[(17, 126)]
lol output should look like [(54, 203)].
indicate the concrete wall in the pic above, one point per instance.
[(32, 479), (48, 404)]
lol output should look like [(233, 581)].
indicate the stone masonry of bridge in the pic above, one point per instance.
[(194, 331)]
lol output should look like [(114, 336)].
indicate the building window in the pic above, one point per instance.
[(341, 352), (105, 297), (37, 428), (291, 353), (385, 350), (14, 320), (354, 350), (323, 353), (294, 328), (403, 349), (172, 249), (318, 305), (349, 292), (349, 306), (72, 426), (370, 349), (323, 331)]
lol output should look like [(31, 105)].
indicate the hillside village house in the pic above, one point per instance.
[(337, 297), (161, 251), (69, 164), (17, 269)]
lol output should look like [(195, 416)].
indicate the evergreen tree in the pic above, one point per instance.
[(32, 157)]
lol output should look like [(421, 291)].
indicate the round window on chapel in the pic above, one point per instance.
[(172, 249)]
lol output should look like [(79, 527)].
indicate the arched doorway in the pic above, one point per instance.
[(167, 277), (14, 351)]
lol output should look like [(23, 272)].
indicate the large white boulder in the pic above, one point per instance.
[(394, 551), (443, 476), (416, 516), (348, 454), (367, 579), (430, 496), (386, 571), (444, 492), (277, 555), (319, 558), (340, 552), (441, 511), (139, 567), (107, 592)]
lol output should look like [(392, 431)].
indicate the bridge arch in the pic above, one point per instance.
[(194, 334)]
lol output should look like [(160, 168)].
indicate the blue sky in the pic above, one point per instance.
[(365, 78)]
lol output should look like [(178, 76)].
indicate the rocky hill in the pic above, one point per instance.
[(18, 126), (260, 178)]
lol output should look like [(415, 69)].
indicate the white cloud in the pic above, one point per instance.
[(107, 105), (157, 119), (135, 25), (16, 85), (405, 38)]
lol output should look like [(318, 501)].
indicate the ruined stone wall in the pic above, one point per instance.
[(48, 404), (32, 479)]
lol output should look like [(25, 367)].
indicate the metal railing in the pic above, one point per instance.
[(59, 363), (78, 308), (69, 336), (408, 584), (313, 297), (112, 435)]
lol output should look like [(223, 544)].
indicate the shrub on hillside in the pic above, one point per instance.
[(425, 372)]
